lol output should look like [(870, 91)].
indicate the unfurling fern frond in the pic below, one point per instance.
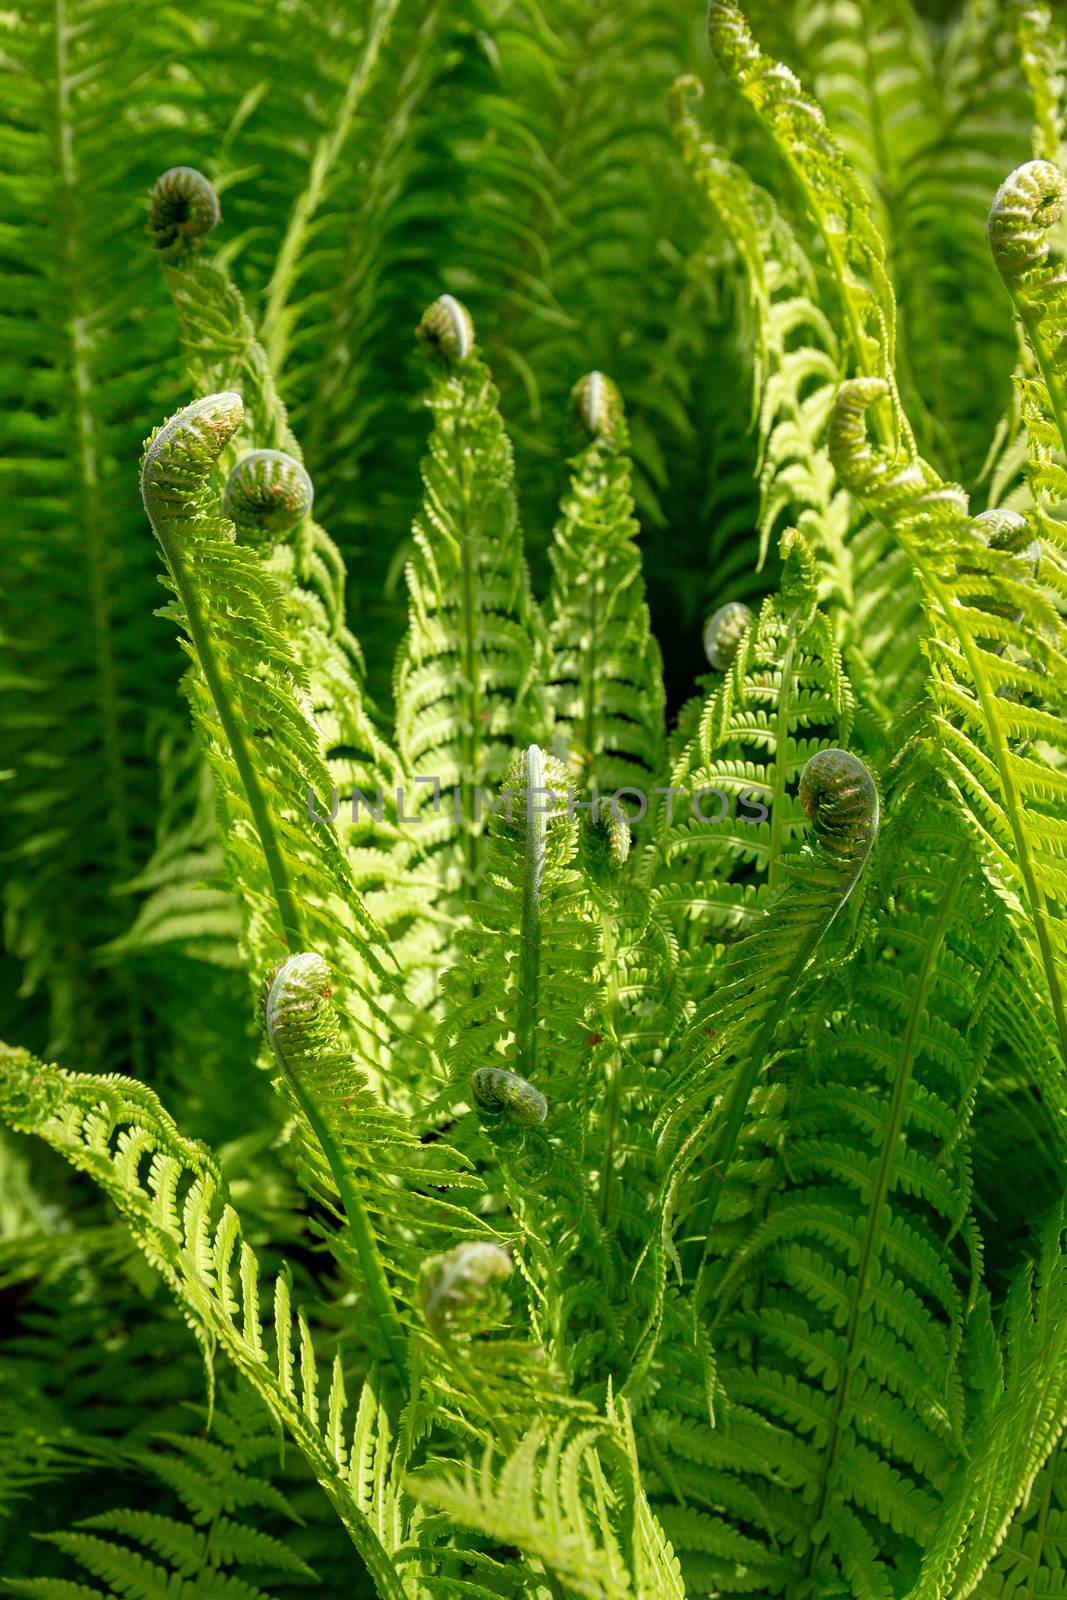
[(839, 204), (521, 1010), (605, 674), (782, 696), (867, 590), (467, 681), (570, 1498), (1024, 210), (248, 687)]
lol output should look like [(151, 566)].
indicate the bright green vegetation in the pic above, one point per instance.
[(414, 1181)]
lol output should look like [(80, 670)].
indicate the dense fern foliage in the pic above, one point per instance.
[(534, 800)]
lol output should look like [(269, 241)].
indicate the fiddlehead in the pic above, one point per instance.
[(499, 1093), (446, 328), (183, 208), (174, 471), (267, 495), (1025, 208), (723, 633), (840, 801), (606, 675), (230, 608), (468, 672), (598, 406), (456, 1288)]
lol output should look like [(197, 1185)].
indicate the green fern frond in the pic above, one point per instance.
[(563, 1501), (169, 1192), (730, 1037), (605, 675), (781, 695), (468, 673), (1016, 1437), (357, 1156), (248, 680), (997, 672)]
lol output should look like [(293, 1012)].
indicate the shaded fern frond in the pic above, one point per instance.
[(168, 1191)]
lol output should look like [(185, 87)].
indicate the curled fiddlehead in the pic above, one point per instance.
[(447, 328), (267, 494), (455, 1289), (1025, 207), (298, 1017), (1001, 529), (723, 633), (180, 453), (182, 209), (598, 405), (606, 841), (840, 801), (499, 1093)]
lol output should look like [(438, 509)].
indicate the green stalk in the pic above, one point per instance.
[(530, 929), (214, 676)]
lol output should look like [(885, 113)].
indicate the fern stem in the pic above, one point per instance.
[(200, 636), (526, 1018), (781, 767), (302, 1029), (1045, 362), (614, 1106), (370, 1262)]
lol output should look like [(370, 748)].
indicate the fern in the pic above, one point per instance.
[(654, 1118), (178, 1212), (605, 673), (466, 675), (205, 1550)]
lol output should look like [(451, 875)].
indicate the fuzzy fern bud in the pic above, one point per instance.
[(267, 494), (840, 800), (1007, 530), (536, 791), (723, 633), (606, 842), (300, 1019), (499, 1093), (456, 1289), (180, 453), (183, 208), (447, 329), (1024, 208), (598, 406)]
